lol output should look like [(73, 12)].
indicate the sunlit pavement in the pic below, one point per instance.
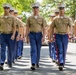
[(22, 67)]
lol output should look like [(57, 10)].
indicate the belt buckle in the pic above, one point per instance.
[(62, 33), (37, 31)]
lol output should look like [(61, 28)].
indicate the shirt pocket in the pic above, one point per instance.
[(39, 21), (58, 23), (32, 21), (65, 21), (9, 21)]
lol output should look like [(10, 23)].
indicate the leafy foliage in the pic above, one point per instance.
[(70, 6), (47, 7), (20, 5)]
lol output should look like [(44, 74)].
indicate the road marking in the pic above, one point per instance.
[(41, 47)]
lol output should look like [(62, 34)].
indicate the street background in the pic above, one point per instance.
[(22, 66)]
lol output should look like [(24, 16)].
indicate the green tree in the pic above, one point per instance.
[(20, 5), (70, 6)]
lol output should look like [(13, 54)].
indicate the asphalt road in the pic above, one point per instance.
[(22, 67)]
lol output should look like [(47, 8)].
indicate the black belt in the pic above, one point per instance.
[(62, 33), (36, 31)]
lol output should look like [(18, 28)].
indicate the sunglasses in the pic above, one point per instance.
[(35, 7), (6, 7), (61, 8), (15, 13), (56, 12)]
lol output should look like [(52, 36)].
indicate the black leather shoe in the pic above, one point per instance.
[(32, 67), (10, 65), (6, 62), (61, 68), (19, 57), (53, 61), (37, 65), (1, 67)]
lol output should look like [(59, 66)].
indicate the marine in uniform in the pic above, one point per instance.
[(21, 38), (18, 24), (35, 33), (55, 52), (61, 24), (51, 46), (12, 11), (56, 12), (8, 29)]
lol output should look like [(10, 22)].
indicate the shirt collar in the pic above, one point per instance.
[(6, 16), (37, 15)]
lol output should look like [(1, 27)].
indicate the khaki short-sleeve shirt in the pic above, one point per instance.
[(61, 24), (7, 24), (36, 25)]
